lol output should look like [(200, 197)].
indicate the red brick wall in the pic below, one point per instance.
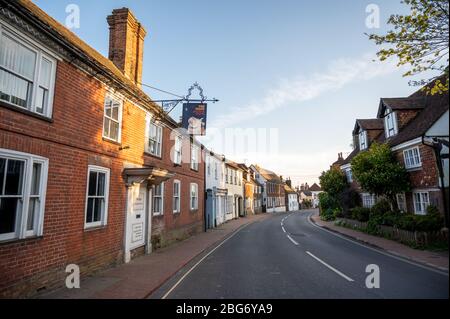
[(71, 142), (425, 176)]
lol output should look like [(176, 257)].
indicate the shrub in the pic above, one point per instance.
[(327, 214), (360, 213), (380, 208), (326, 201)]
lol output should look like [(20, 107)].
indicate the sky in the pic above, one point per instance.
[(299, 71)]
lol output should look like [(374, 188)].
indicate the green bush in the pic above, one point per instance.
[(327, 214), (360, 213), (327, 202), (380, 208)]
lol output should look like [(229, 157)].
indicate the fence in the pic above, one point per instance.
[(416, 237)]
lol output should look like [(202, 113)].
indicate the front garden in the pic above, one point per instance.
[(379, 173)]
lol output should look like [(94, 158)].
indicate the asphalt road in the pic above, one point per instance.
[(286, 256)]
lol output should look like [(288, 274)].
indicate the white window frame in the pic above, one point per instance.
[(41, 53), (390, 118), (194, 157), (412, 159), (178, 146), (363, 140), (349, 175), (368, 200), (20, 230), (401, 202), (215, 171), (161, 212), (192, 187), (149, 121), (113, 98), (175, 209), (422, 210), (104, 217)]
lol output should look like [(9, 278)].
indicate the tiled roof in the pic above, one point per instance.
[(370, 124), (349, 158), (269, 175), (70, 40), (288, 189), (401, 103), (435, 107), (315, 188)]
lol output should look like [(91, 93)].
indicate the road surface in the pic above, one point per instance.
[(286, 256)]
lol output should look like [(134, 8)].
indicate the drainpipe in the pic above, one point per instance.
[(436, 144)]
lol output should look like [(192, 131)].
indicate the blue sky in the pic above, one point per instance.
[(303, 67)]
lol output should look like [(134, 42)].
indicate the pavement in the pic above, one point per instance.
[(143, 275), (288, 256), (435, 259)]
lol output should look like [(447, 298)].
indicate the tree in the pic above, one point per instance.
[(378, 172), (333, 181), (421, 40)]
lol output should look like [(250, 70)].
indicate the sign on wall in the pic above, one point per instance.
[(194, 118)]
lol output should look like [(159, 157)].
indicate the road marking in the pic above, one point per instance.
[(441, 272), (284, 230), (292, 240), (198, 263), (330, 267)]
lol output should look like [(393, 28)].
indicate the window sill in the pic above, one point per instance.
[(111, 141), (151, 155), (193, 211), (94, 228), (18, 240), (413, 169), (194, 170), (25, 111), (176, 165), (157, 215)]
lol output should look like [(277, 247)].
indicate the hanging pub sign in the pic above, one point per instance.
[(194, 118)]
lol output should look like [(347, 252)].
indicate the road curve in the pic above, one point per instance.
[(286, 256)]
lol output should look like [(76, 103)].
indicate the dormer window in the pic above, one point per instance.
[(390, 123), (362, 140)]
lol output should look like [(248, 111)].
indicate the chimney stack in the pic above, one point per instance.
[(126, 43), (289, 183)]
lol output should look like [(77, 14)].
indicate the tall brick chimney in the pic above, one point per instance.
[(126, 43)]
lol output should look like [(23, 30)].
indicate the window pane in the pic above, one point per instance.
[(8, 212), (106, 127), (33, 210), (115, 111), (2, 173), (90, 210), (41, 100), (108, 107), (101, 184), (36, 179), (114, 133), (14, 177), (98, 209), (17, 58), (14, 89), (45, 73), (92, 190)]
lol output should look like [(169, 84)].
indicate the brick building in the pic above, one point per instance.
[(416, 128), (273, 193), (93, 172)]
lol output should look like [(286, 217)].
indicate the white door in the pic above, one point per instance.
[(136, 219)]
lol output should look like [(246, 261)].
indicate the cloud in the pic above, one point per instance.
[(338, 74)]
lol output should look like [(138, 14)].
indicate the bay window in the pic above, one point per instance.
[(27, 75), (23, 182)]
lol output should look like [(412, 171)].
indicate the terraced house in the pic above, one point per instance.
[(416, 129), (92, 171)]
